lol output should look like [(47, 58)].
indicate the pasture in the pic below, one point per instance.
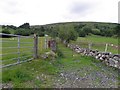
[(10, 49), (72, 70), (69, 71), (99, 43), (99, 39)]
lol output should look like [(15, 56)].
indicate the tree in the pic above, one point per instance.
[(39, 31), (42, 29), (25, 26), (117, 30), (87, 30), (9, 27), (108, 33), (22, 32), (54, 31), (96, 31), (78, 27), (67, 33), (82, 33), (6, 32)]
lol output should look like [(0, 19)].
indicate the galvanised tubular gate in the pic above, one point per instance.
[(34, 49)]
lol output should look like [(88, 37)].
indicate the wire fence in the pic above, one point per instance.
[(104, 47), (16, 49)]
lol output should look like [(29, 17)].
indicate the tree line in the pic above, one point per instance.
[(65, 31)]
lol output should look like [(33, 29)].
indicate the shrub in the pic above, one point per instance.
[(6, 32), (82, 33), (96, 31), (23, 32), (87, 30), (59, 53)]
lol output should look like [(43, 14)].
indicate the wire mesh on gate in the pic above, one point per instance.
[(16, 49)]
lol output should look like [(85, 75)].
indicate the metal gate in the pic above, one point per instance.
[(16, 49)]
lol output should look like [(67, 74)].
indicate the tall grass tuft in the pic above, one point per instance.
[(16, 75)]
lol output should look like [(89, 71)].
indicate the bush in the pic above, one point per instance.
[(6, 32), (87, 30), (23, 32), (96, 31), (82, 33), (59, 53)]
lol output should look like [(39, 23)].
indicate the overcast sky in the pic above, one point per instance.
[(40, 12)]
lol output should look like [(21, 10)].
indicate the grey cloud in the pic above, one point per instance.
[(10, 7), (80, 8)]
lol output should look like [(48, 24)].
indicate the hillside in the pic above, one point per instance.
[(96, 28), (82, 28), (65, 68), (77, 23)]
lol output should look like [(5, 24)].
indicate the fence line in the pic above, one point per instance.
[(16, 63), (106, 57), (8, 53), (16, 58), (1, 34), (84, 42), (19, 47), (104, 47)]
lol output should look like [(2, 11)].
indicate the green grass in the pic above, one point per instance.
[(24, 75), (26, 49), (29, 71), (71, 57), (98, 39), (40, 73), (98, 42), (16, 75)]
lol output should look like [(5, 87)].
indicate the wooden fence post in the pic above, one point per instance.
[(89, 46), (106, 47), (41, 44), (35, 46), (46, 41)]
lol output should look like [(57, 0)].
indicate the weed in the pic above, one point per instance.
[(16, 75)]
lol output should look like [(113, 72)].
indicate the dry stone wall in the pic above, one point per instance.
[(108, 58)]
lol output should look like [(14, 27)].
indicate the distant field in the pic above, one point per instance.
[(26, 48), (10, 48), (98, 42), (99, 39)]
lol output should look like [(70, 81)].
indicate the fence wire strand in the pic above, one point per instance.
[(19, 47)]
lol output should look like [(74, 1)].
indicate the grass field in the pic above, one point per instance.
[(10, 49), (99, 39), (99, 43), (45, 73)]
